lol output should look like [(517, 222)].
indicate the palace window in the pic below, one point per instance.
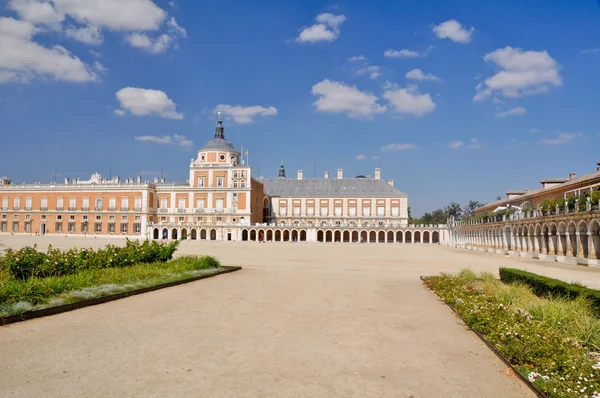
[(27, 226), (235, 174), (123, 218), (44, 204), (72, 204), (352, 211), (283, 211), (16, 203), (235, 184), (59, 204), (199, 219), (243, 184), (59, 227), (199, 203), (4, 203), (15, 216), (163, 219), (84, 218), (97, 227), (72, 217), (111, 228), (200, 182), (234, 208), (310, 211), (43, 216), (59, 217), (125, 204), (71, 227), (4, 216), (219, 181), (395, 211), (381, 223), (235, 196), (111, 218), (112, 204), (137, 204), (137, 218), (380, 211), (3, 226), (28, 217), (98, 218), (124, 228), (219, 219), (296, 211), (324, 211), (84, 228), (181, 204), (219, 204), (28, 203), (296, 223), (338, 223), (85, 206), (181, 219), (352, 224), (323, 223), (338, 211), (367, 211), (137, 228), (243, 174), (164, 203), (15, 227), (98, 204)]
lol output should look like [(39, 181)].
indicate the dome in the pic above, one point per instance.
[(218, 144)]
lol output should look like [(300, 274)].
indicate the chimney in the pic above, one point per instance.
[(139, 179), (391, 182), (572, 175), (340, 174), (326, 174), (598, 168), (66, 180), (378, 173), (299, 174), (117, 180), (163, 180), (156, 180)]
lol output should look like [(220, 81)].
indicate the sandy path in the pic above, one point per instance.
[(299, 320)]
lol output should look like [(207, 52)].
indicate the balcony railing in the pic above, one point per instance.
[(163, 210), (28, 208), (4, 208), (59, 208), (199, 210), (98, 208), (180, 210), (112, 209), (72, 209), (85, 209), (44, 208), (124, 208), (137, 209), (16, 208)]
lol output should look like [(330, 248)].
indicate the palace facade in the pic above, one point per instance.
[(222, 200)]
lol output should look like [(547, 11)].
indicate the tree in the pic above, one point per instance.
[(453, 210), (469, 210)]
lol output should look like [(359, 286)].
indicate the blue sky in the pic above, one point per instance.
[(456, 100)]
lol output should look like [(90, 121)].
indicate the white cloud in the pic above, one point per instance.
[(562, 138), (400, 54), (95, 54), (100, 68), (417, 74), (156, 45), (375, 158), (119, 112), (409, 101), (474, 143), (176, 139), (87, 19), (338, 97), (456, 144), (454, 31), (533, 131), (360, 157), (589, 51), (22, 59), (513, 144), (372, 71), (511, 112), (142, 102), (520, 73), (397, 147), (327, 28), (87, 34), (357, 58), (245, 114)]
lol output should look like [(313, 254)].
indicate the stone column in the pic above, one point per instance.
[(536, 243), (591, 246), (569, 248), (517, 242), (550, 243), (580, 239), (560, 250)]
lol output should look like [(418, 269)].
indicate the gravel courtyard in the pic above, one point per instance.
[(300, 319)]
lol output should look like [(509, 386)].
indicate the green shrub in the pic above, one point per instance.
[(28, 262), (543, 286)]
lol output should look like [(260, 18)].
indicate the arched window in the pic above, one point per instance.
[(243, 173), (365, 224), (310, 223), (296, 223), (338, 223), (235, 184), (282, 223), (352, 224), (323, 223), (381, 223), (235, 174), (243, 184)]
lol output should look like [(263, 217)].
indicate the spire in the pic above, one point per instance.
[(281, 170), (219, 131)]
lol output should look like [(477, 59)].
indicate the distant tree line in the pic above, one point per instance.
[(440, 216)]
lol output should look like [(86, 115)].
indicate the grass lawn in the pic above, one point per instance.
[(18, 296), (552, 341)]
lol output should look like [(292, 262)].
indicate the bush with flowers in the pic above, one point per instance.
[(29, 262), (553, 358)]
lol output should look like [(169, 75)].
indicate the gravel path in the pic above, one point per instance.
[(318, 320)]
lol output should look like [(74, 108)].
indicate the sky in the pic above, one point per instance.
[(454, 100)]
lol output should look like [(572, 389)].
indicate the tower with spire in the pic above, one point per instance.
[(281, 170)]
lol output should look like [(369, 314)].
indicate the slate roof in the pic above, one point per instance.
[(219, 144), (330, 187)]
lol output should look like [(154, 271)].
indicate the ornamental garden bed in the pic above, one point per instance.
[(552, 342), (35, 283)]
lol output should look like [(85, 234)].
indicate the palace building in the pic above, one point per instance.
[(222, 200)]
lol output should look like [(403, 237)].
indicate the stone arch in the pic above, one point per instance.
[(435, 237), (261, 235), (364, 236), (165, 233), (337, 236), (267, 208), (390, 237), (355, 235), (553, 238), (295, 236), (194, 234), (399, 237), (203, 234), (372, 236), (277, 235), (346, 236), (269, 237), (303, 235), (328, 236), (174, 233), (583, 229), (253, 235), (244, 235), (213, 234), (562, 238), (426, 237), (286, 235), (417, 237), (155, 233), (320, 236), (571, 230), (184, 234), (381, 237), (408, 237)]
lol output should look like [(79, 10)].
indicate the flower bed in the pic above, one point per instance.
[(524, 329)]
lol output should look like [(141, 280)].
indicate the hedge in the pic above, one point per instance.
[(543, 286)]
